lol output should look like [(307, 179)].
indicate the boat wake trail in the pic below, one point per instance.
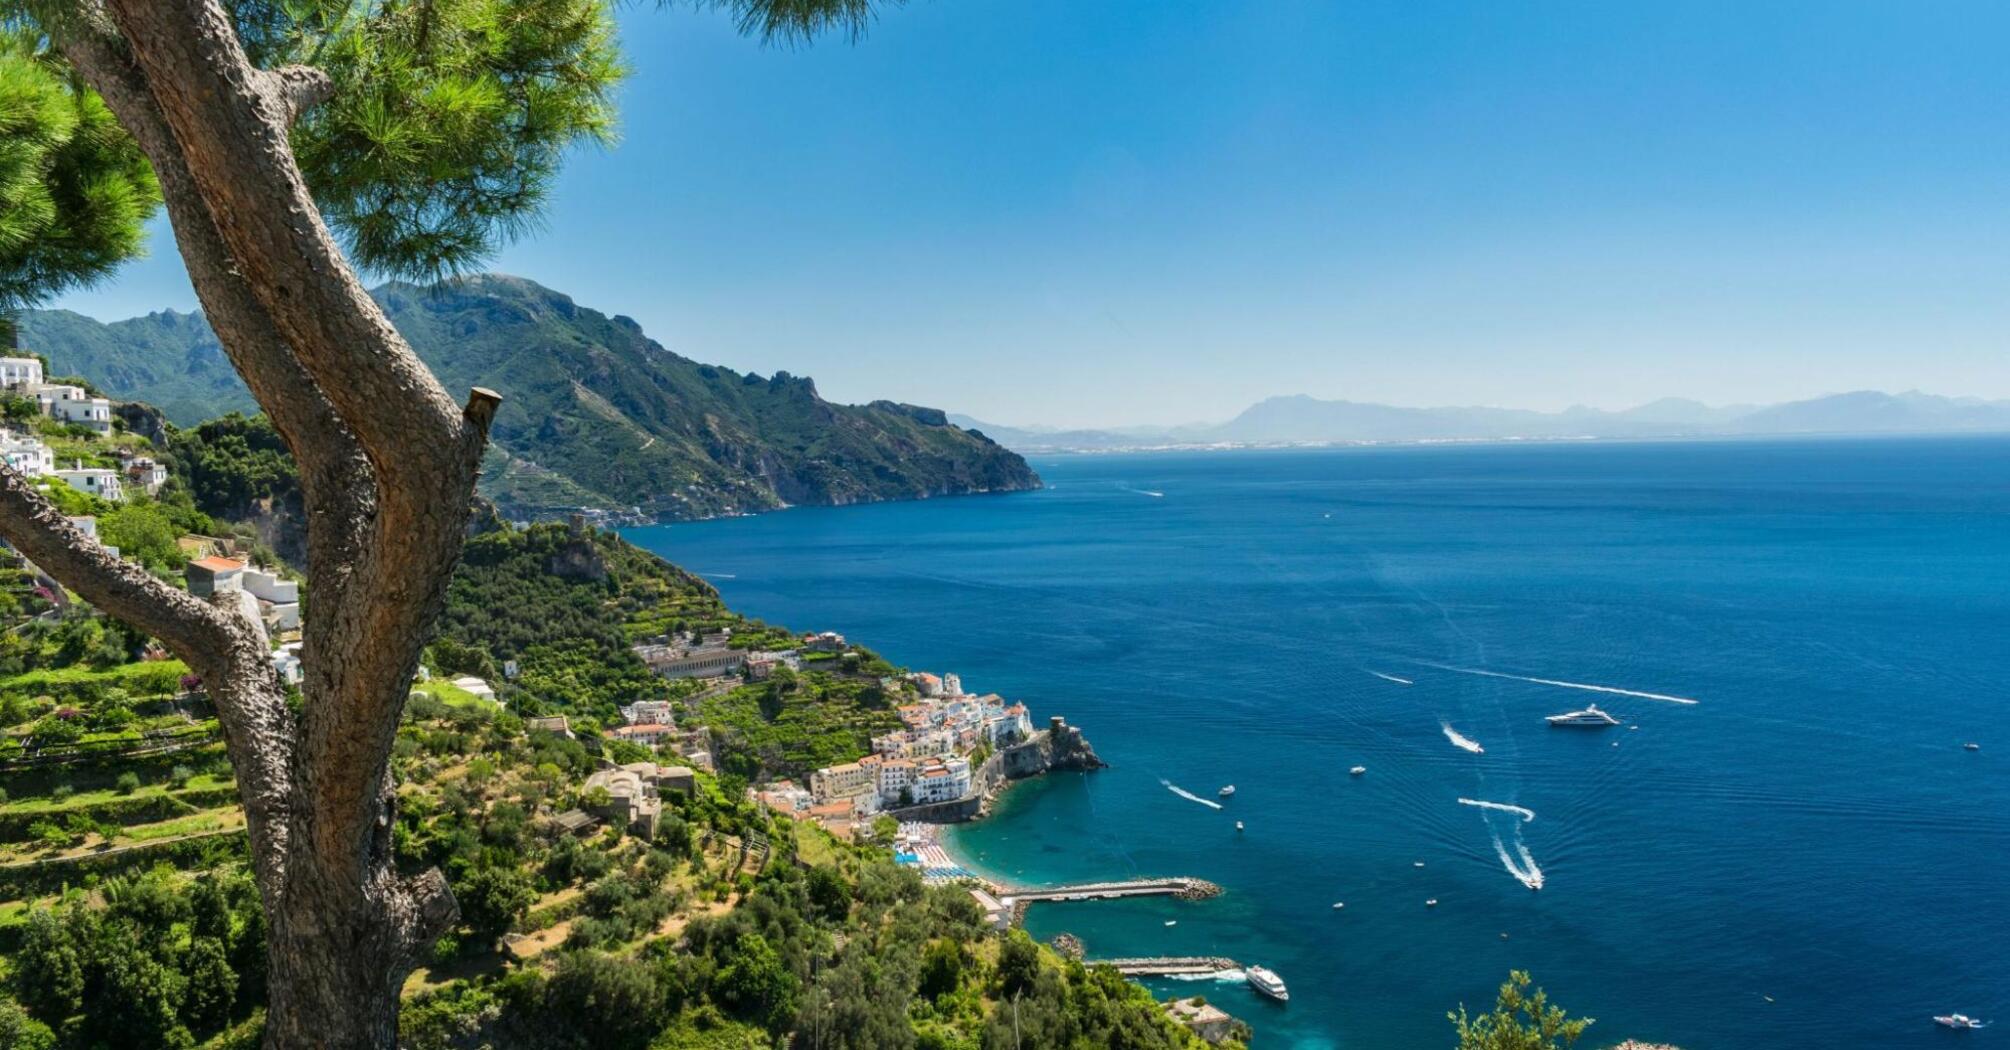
[(1219, 975), (1189, 796), (1463, 743), (1522, 866), (1523, 812), (1392, 678), (1566, 685), (1145, 492)]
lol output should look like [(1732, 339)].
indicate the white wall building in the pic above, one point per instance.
[(27, 454), (146, 473), (480, 689), (102, 482), (942, 780), (17, 373), (640, 712), (71, 404)]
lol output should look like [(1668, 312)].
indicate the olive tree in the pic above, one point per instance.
[(292, 142)]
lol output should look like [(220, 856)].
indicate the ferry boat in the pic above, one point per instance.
[(1944, 1020), (1590, 716), (1267, 983), (1226, 792)]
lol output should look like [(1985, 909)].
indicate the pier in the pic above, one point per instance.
[(1183, 888), (1168, 965)]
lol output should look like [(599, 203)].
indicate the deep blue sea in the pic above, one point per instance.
[(1804, 857)]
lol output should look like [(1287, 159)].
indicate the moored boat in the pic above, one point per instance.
[(1227, 792), (1590, 717), (1267, 983)]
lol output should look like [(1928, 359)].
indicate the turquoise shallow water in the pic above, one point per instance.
[(1810, 830)]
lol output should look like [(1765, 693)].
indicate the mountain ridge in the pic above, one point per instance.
[(1300, 419), (596, 416)]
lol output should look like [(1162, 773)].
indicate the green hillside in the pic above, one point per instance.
[(595, 414)]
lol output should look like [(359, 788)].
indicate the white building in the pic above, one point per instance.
[(26, 453), (647, 711), (146, 473), (102, 482), (942, 780), (286, 660), (849, 780), (71, 404), (895, 775), (915, 743), (278, 599), (952, 684), (480, 689), (17, 373), (648, 734)]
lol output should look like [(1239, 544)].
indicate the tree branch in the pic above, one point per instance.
[(232, 132), (195, 630), (335, 478), (297, 88)]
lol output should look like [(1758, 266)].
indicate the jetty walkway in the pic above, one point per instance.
[(1169, 966), (1183, 888)]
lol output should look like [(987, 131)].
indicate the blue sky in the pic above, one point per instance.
[(1082, 212)]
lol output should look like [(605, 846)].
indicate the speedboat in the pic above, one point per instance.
[(1337, 905), (1267, 983), (1357, 771), (1227, 792), (1172, 922), (1238, 825), (1957, 1021), (1971, 746), (1432, 903), (1591, 716)]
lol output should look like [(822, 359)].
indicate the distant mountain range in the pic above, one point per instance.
[(1302, 420), (595, 414)]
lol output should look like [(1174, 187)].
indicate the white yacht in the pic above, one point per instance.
[(1267, 983), (1590, 716), (1944, 1020), (1357, 771), (1227, 792)]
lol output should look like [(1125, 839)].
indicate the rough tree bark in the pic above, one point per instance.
[(388, 464)]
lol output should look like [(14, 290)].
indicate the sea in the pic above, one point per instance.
[(1783, 844)]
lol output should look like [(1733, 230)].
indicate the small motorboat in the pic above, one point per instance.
[(1337, 905), (1418, 864), (1957, 1021), (1172, 922), (1238, 825), (1227, 792), (1432, 903), (1357, 771), (1971, 746)]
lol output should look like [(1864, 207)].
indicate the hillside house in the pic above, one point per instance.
[(277, 600), (479, 689), (648, 734), (102, 482), (72, 404), (18, 374), (27, 454), (1202, 1018), (145, 473), (647, 712)]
